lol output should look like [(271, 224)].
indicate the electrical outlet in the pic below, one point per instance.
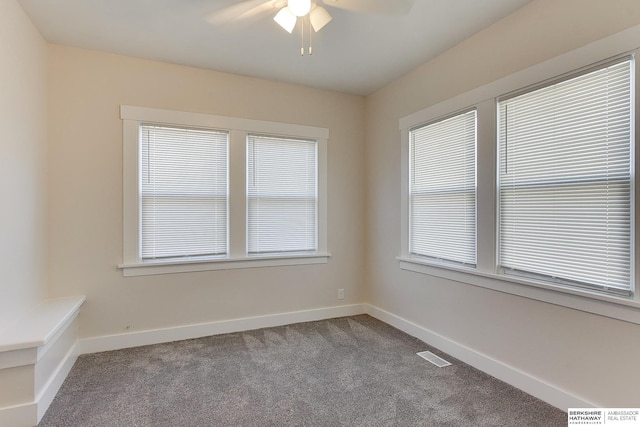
[(340, 293)]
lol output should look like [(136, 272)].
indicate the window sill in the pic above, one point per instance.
[(149, 268), (626, 309)]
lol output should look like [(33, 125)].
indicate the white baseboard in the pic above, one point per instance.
[(156, 336), (512, 376), (525, 382)]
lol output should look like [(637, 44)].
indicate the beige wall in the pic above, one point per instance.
[(85, 184), (23, 211), (590, 356)]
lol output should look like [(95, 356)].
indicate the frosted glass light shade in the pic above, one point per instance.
[(286, 19), (319, 17), (299, 7)]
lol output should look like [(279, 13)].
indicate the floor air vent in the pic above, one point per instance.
[(438, 361)]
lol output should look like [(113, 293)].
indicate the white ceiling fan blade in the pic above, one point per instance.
[(243, 10), (381, 7), (319, 17)]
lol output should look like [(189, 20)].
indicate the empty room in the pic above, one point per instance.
[(326, 212)]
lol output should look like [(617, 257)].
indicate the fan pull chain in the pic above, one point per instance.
[(310, 37), (302, 37)]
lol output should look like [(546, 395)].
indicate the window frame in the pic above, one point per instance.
[(132, 264), (180, 195), (559, 182), (410, 235), (280, 252), (484, 98)]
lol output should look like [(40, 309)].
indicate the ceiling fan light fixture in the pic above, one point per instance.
[(286, 19), (319, 17), (299, 7)]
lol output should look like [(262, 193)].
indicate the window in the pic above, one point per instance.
[(555, 155), (183, 192), (565, 181), (205, 192), (442, 190), (282, 195)]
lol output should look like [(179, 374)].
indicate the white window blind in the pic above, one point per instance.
[(442, 190), (282, 195), (183, 192), (565, 180)]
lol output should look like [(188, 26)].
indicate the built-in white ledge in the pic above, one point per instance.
[(37, 352), (41, 324)]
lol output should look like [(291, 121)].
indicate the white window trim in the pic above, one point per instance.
[(238, 128), (483, 98)]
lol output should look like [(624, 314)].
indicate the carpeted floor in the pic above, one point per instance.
[(353, 371)]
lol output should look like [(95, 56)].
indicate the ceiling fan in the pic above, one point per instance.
[(288, 16), (290, 12)]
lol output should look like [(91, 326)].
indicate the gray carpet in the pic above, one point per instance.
[(353, 371)]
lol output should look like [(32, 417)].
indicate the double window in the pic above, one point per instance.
[(560, 213), (208, 192)]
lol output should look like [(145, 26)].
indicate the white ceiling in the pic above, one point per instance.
[(355, 53)]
